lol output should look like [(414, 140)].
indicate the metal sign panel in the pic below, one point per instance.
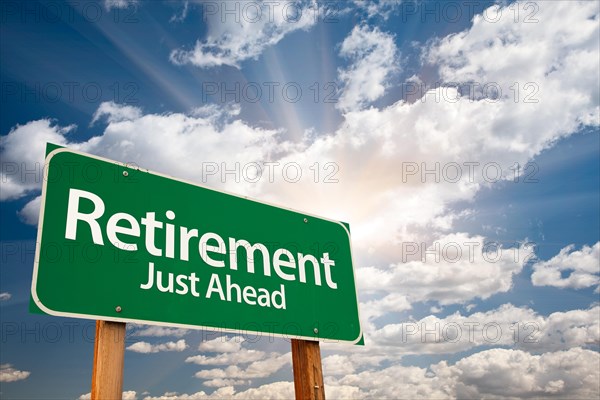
[(124, 244)]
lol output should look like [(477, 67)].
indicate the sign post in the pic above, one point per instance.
[(308, 370), (109, 354)]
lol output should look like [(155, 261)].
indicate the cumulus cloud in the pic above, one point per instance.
[(505, 326), (231, 353), (5, 296), (242, 356), (336, 365), (445, 147), (372, 309), (257, 369), (145, 347), (494, 373), (377, 8), (192, 138), (373, 60), (454, 269), (22, 154), (110, 4), (499, 373), (497, 50), (30, 214), (157, 331), (271, 391), (127, 395), (255, 26), (582, 266), (115, 112), (224, 382), (222, 344), (9, 374)]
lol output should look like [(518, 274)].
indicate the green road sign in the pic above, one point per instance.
[(124, 244)]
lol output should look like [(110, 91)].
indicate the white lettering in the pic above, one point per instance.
[(289, 263), (73, 215), (204, 248), (112, 229)]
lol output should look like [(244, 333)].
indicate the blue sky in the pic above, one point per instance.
[(436, 126)]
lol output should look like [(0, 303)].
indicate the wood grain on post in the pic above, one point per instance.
[(109, 352), (308, 372)]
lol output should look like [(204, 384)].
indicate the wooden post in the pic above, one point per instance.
[(109, 352), (308, 372)]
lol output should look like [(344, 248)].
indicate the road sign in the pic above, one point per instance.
[(124, 244)]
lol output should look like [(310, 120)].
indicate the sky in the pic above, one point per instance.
[(458, 139)]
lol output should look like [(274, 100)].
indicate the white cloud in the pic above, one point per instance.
[(499, 373), (454, 269), (255, 26), (257, 369), (9, 374), (505, 326), (127, 395), (373, 59), (224, 382), (242, 356), (583, 267), (494, 374), (181, 16), (116, 112), (5, 296), (557, 54), (145, 347), (378, 8), (387, 383), (22, 154), (158, 331), (260, 363), (222, 344), (336, 365), (30, 214), (270, 391), (180, 139), (110, 4), (393, 302), (435, 310), (442, 131)]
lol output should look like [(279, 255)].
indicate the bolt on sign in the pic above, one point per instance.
[(124, 244)]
